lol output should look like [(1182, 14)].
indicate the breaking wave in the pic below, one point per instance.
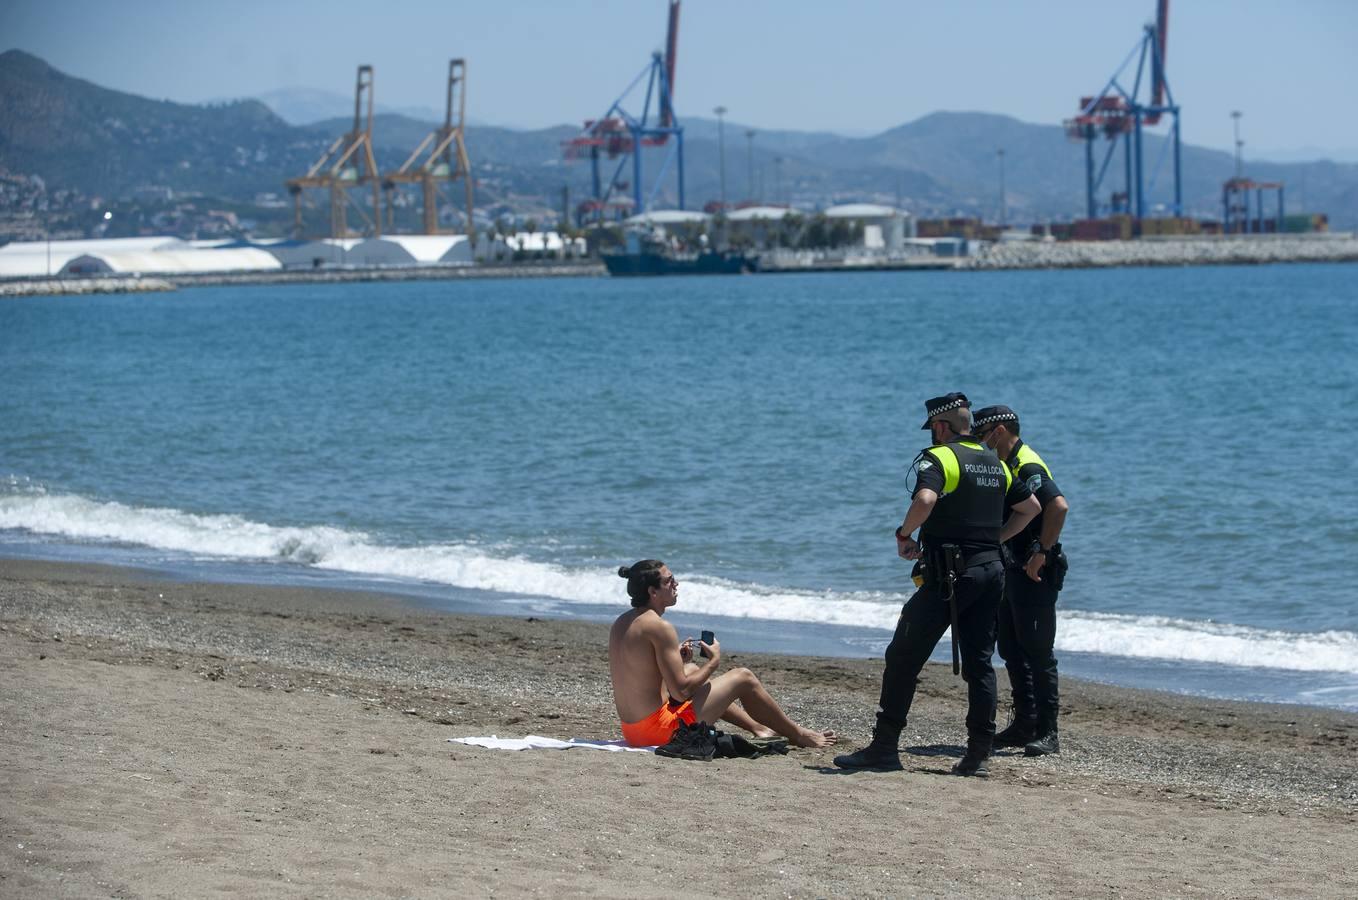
[(229, 537)]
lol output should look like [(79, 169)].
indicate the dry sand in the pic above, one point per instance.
[(161, 739)]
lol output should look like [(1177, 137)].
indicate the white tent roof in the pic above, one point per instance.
[(170, 262), (30, 259), (421, 247), (33, 265), (97, 245), (669, 217), (758, 212), (862, 211)]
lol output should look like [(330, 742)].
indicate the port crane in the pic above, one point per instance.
[(440, 158), (622, 136), (1118, 114), (346, 164)]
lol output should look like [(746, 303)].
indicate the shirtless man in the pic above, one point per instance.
[(655, 689)]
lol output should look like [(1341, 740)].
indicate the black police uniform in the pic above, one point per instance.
[(1027, 619), (975, 490)]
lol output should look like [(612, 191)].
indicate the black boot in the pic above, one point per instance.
[(1046, 740), (972, 762), (881, 755), (1019, 732)]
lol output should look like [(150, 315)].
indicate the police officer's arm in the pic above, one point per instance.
[(1023, 508), (1053, 517), (927, 489), (920, 507)]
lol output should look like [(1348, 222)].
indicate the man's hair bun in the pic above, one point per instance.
[(641, 576)]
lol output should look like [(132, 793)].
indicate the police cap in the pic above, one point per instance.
[(955, 400), (992, 415)]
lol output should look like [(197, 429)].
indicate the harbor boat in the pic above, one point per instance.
[(650, 250), (655, 262)]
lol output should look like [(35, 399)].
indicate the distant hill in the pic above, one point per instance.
[(306, 106), (77, 134)]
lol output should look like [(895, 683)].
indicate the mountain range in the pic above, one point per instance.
[(76, 134)]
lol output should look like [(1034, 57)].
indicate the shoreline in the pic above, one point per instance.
[(167, 738), (1018, 256)]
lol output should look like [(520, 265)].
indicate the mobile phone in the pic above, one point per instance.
[(707, 638)]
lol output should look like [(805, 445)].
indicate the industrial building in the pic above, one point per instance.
[(885, 228)]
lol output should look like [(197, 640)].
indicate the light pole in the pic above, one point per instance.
[(1235, 123), (1004, 206), (749, 161), (721, 151)]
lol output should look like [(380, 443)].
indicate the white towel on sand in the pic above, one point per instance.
[(537, 742)]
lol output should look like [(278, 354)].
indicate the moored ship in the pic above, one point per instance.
[(659, 262)]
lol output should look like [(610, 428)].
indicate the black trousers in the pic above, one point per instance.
[(923, 620), (1027, 633)]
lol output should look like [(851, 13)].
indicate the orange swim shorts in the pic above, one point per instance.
[(657, 728)]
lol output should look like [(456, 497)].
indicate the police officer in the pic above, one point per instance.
[(1027, 626), (959, 500)]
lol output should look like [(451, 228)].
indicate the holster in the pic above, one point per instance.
[(942, 566), (1054, 572)]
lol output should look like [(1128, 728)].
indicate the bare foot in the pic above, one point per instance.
[(763, 732), (809, 738)]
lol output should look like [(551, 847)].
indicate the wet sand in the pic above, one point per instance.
[(162, 739)]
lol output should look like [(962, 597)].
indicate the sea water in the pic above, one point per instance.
[(503, 446)]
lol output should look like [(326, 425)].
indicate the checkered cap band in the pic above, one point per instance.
[(995, 417), (960, 401)]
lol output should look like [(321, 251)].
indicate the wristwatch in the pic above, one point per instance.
[(900, 536)]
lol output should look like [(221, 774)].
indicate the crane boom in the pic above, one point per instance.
[(1161, 42), (671, 54)]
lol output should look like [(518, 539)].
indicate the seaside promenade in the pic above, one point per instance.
[(172, 739)]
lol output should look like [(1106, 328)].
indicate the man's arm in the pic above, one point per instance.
[(1020, 514), (678, 683), (921, 506), (1053, 517)]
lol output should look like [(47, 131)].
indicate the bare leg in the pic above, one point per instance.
[(712, 700), (737, 715)]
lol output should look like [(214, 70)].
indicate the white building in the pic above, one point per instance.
[(761, 226), (39, 259), (885, 228), (315, 254), (545, 243), (183, 261), (411, 250), (662, 217)]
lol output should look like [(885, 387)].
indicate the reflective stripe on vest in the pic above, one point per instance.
[(952, 470), (1027, 455)]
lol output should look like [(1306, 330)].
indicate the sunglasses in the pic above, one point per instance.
[(669, 582)]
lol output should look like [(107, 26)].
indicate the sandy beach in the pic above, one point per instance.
[(163, 739)]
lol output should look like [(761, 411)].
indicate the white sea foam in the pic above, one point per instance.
[(465, 566)]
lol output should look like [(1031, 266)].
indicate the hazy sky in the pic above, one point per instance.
[(855, 66)]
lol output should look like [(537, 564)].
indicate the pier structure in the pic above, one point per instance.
[(347, 164)]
